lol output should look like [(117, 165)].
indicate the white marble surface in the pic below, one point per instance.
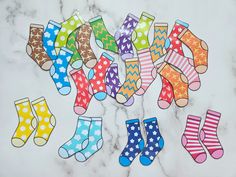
[(214, 21)]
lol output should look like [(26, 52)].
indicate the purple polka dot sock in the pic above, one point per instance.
[(123, 36), (113, 83)]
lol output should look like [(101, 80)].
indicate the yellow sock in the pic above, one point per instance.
[(26, 125), (46, 122)]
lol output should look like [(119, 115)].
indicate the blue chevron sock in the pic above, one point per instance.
[(95, 140), (49, 37), (58, 71), (154, 144), (79, 140), (134, 145)]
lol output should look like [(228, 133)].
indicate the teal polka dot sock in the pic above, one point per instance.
[(79, 140), (95, 140)]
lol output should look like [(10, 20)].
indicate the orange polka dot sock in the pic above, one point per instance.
[(178, 82), (26, 125), (199, 49), (46, 121), (97, 76)]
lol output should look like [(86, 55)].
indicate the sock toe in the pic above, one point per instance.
[(201, 158), (201, 69), (40, 141), (145, 160), (17, 142), (80, 157), (140, 92), (100, 96), (194, 86), (47, 65), (129, 102), (217, 154), (64, 90), (63, 153), (120, 98), (91, 63), (124, 161), (163, 104), (79, 110), (182, 102)]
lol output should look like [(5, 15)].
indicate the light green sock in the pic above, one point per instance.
[(76, 59), (67, 27), (140, 34), (103, 38)]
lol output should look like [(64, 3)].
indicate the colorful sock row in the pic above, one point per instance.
[(42, 122), (135, 144)]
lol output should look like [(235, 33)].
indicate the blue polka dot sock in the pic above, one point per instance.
[(154, 144), (79, 140), (58, 71), (49, 37), (134, 145), (95, 140)]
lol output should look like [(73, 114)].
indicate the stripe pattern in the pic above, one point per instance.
[(186, 66), (190, 139), (209, 134), (147, 70)]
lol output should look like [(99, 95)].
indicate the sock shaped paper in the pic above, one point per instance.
[(123, 37), (155, 141), (95, 140), (58, 71), (103, 38), (134, 145), (26, 125), (35, 49), (46, 121), (49, 38)]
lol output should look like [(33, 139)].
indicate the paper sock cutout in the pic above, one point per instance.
[(172, 42), (95, 140), (123, 37), (190, 139), (97, 76), (34, 47), (84, 48), (49, 37), (67, 27), (166, 95), (46, 121), (76, 61), (185, 65), (113, 83), (178, 82), (148, 71), (78, 141), (208, 134), (134, 145), (140, 33), (83, 96), (132, 81), (58, 71), (199, 49), (103, 38), (26, 125), (155, 141), (158, 46)]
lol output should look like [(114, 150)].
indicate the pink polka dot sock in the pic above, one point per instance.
[(209, 136), (185, 65), (190, 139), (97, 76)]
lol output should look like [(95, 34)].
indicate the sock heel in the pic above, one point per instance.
[(161, 143), (202, 135), (34, 123), (134, 36), (184, 140), (141, 145), (90, 74), (99, 43), (52, 70), (100, 143), (204, 45), (29, 49), (84, 144)]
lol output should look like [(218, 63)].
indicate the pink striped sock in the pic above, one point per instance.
[(190, 139), (147, 71), (186, 66), (209, 136)]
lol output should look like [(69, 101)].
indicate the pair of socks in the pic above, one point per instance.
[(193, 138), (94, 85), (86, 141), (136, 145), (43, 121)]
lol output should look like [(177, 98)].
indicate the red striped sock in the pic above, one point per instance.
[(209, 136), (190, 139), (147, 70)]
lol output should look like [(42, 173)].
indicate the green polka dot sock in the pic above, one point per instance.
[(76, 59), (67, 27), (140, 34), (103, 38)]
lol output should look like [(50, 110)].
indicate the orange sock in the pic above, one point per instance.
[(199, 49), (178, 82)]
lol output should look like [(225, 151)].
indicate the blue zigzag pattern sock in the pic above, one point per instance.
[(155, 141), (58, 71), (135, 143), (49, 37)]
